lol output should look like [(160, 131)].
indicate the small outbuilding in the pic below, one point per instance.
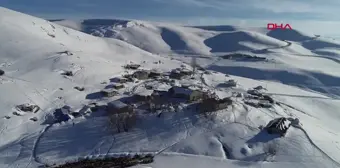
[(141, 75), (118, 107), (259, 88), (155, 73), (254, 92), (278, 126), (109, 92), (143, 95), (186, 71), (129, 77), (28, 108), (132, 66), (176, 74), (118, 86), (231, 83), (213, 104)]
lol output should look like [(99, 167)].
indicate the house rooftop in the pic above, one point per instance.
[(117, 84), (155, 71), (278, 123), (109, 90), (181, 90), (144, 93)]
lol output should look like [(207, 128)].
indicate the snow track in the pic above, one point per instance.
[(317, 147)]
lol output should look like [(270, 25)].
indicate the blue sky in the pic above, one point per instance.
[(313, 15)]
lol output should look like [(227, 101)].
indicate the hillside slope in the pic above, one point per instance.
[(37, 56), (290, 56)]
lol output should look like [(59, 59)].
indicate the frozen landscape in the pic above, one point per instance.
[(53, 110)]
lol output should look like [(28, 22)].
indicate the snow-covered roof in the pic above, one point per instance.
[(117, 104), (279, 123), (181, 90), (144, 92), (109, 90), (117, 84), (155, 71), (185, 70)]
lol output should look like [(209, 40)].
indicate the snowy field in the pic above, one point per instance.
[(300, 72)]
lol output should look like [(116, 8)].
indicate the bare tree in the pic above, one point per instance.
[(123, 122), (129, 121)]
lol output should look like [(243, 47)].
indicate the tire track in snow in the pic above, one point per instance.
[(316, 146), (113, 141), (166, 148), (97, 147), (35, 145), (20, 152), (297, 109)]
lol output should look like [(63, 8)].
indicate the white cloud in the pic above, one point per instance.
[(284, 6), (324, 8)]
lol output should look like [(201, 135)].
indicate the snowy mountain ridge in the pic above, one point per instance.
[(47, 64)]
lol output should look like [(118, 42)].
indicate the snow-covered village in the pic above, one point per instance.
[(131, 93)]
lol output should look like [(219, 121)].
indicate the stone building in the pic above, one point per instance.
[(185, 93), (109, 92), (213, 104), (278, 126), (141, 75), (118, 107), (118, 86)]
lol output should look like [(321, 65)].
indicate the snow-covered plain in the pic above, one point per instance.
[(301, 72)]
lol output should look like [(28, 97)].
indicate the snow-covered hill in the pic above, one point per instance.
[(301, 74), (296, 58)]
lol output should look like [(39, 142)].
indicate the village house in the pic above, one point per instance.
[(122, 80), (143, 95), (258, 103), (185, 93), (159, 93), (157, 99), (213, 104), (118, 107), (278, 126), (148, 87), (254, 92), (186, 72), (176, 74), (109, 92), (127, 77), (154, 73), (231, 83), (141, 75), (118, 86)]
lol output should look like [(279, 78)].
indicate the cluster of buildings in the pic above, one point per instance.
[(157, 98), (176, 94)]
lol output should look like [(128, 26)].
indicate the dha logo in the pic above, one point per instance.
[(273, 26)]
